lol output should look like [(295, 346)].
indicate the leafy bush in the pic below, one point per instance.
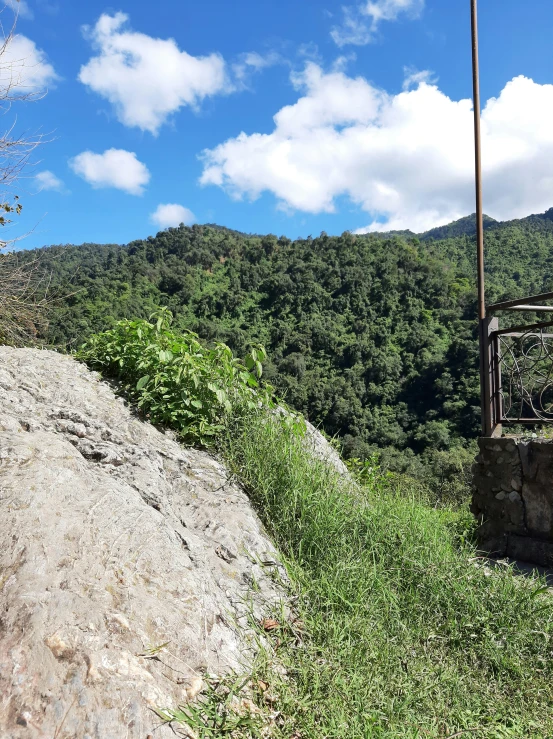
[(176, 380)]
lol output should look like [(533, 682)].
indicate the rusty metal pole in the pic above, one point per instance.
[(485, 386)]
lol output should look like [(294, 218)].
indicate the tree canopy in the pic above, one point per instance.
[(372, 337)]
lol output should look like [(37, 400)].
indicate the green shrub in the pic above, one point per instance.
[(176, 380)]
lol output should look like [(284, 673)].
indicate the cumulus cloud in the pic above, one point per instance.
[(20, 8), (361, 22), (114, 168), (172, 214), (147, 79), (47, 180), (406, 159), (25, 66)]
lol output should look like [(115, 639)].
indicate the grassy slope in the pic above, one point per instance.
[(407, 634)]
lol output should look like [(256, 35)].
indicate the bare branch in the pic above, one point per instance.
[(24, 287), (24, 299)]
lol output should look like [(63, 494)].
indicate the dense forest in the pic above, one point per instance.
[(372, 337)]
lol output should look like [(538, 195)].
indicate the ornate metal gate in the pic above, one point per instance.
[(520, 367)]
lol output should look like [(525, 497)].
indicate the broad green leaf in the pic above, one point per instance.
[(142, 382)]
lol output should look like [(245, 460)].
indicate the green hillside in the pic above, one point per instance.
[(463, 227), (372, 337)]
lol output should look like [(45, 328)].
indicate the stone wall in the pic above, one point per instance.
[(513, 498)]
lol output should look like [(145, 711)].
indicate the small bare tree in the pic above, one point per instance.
[(23, 300)]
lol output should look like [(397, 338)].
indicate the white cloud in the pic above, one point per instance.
[(47, 180), (20, 8), (114, 168), (250, 63), (414, 77), (389, 10), (406, 159), (147, 79), (25, 67), (360, 23), (310, 52), (172, 214)]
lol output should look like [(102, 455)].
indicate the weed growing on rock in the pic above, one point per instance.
[(223, 713)]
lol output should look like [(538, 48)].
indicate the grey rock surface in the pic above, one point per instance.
[(318, 446), (114, 539)]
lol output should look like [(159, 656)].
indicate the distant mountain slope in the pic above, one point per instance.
[(467, 227), (372, 336), (463, 227), (518, 256)]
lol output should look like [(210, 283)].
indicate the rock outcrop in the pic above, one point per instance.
[(114, 541)]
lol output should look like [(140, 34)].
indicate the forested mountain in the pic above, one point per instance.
[(373, 336), (463, 227)]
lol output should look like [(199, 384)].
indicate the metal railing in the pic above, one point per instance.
[(519, 367)]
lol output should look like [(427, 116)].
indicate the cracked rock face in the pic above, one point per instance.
[(114, 540)]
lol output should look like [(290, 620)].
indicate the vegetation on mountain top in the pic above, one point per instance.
[(372, 337)]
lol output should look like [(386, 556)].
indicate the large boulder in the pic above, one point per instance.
[(114, 541)]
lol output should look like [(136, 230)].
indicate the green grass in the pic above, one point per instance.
[(405, 633)]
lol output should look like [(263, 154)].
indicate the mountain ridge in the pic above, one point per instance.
[(466, 226)]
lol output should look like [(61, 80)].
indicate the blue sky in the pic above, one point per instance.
[(287, 118)]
